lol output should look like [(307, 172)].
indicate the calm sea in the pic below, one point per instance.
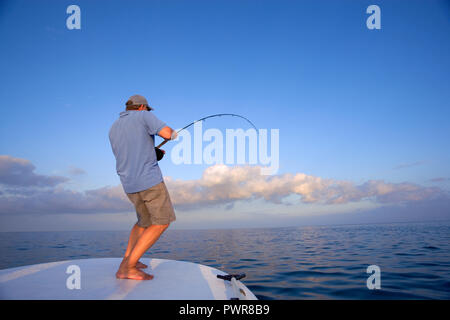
[(320, 262)]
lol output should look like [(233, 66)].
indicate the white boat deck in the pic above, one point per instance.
[(173, 280)]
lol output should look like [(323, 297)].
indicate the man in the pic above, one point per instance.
[(132, 139)]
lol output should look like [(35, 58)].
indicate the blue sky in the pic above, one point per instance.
[(351, 104)]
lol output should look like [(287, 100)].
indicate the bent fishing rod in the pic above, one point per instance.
[(203, 119)]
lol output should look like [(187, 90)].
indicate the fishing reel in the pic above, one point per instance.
[(159, 153)]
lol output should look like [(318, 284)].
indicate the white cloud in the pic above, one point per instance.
[(23, 191), (410, 164), (74, 171), (20, 172), (61, 200), (221, 184)]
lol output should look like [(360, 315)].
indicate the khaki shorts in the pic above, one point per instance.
[(153, 206)]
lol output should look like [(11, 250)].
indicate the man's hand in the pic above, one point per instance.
[(166, 133)]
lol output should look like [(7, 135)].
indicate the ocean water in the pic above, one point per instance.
[(321, 262)]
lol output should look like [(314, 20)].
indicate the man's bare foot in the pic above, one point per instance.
[(132, 273), (140, 265)]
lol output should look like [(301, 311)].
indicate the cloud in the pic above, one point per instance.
[(440, 179), (60, 200), (23, 191), (20, 172), (221, 184), (74, 171), (408, 165)]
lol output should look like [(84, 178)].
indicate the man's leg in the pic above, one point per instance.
[(145, 241), (128, 266), (135, 233)]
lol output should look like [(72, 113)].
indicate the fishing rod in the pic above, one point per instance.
[(211, 116)]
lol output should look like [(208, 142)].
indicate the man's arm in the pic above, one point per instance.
[(167, 133)]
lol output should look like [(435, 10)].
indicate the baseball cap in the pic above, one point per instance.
[(137, 100)]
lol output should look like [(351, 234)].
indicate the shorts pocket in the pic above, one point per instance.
[(152, 193)]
